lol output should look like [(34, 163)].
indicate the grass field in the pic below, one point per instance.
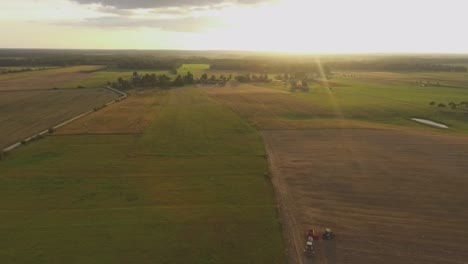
[(25, 113), (46, 79), (200, 69), (191, 189), (352, 100), (193, 68), (100, 78)]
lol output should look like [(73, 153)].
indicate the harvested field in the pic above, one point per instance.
[(24, 113), (240, 89), (390, 196), (132, 115), (46, 79)]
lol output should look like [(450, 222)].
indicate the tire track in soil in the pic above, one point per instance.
[(294, 233), (291, 231)]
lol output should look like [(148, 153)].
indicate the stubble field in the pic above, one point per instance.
[(391, 196)]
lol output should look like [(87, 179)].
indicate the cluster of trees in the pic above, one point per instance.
[(5, 71), (428, 83), (164, 81), (150, 80), (452, 105), (252, 78)]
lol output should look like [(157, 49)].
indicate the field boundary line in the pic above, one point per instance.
[(140, 207), (97, 134), (200, 155), (123, 96), (325, 128), (287, 219), (48, 89)]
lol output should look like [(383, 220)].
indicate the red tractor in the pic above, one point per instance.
[(310, 237)]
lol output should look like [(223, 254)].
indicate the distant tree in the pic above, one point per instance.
[(179, 81), (432, 103), (189, 78), (204, 78), (164, 80)]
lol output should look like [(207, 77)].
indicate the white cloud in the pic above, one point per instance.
[(136, 4)]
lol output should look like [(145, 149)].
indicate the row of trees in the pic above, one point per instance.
[(164, 81), (147, 80), (5, 71), (452, 105), (247, 78)]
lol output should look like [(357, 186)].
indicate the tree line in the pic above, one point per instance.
[(259, 64), (164, 81)]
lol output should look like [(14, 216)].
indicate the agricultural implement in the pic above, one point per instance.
[(311, 236)]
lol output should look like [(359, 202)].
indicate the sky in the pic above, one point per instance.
[(312, 26)]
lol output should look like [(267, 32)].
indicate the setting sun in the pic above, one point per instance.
[(333, 26)]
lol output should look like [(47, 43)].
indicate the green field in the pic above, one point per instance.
[(385, 100), (197, 69), (191, 189), (15, 68), (99, 79)]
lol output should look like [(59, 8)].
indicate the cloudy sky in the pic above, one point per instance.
[(332, 26)]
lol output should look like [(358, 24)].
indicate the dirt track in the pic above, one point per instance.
[(391, 196)]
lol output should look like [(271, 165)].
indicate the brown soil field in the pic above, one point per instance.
[(239, 89), (390, 196), (25, 113), (46, 79), (129, 116)]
